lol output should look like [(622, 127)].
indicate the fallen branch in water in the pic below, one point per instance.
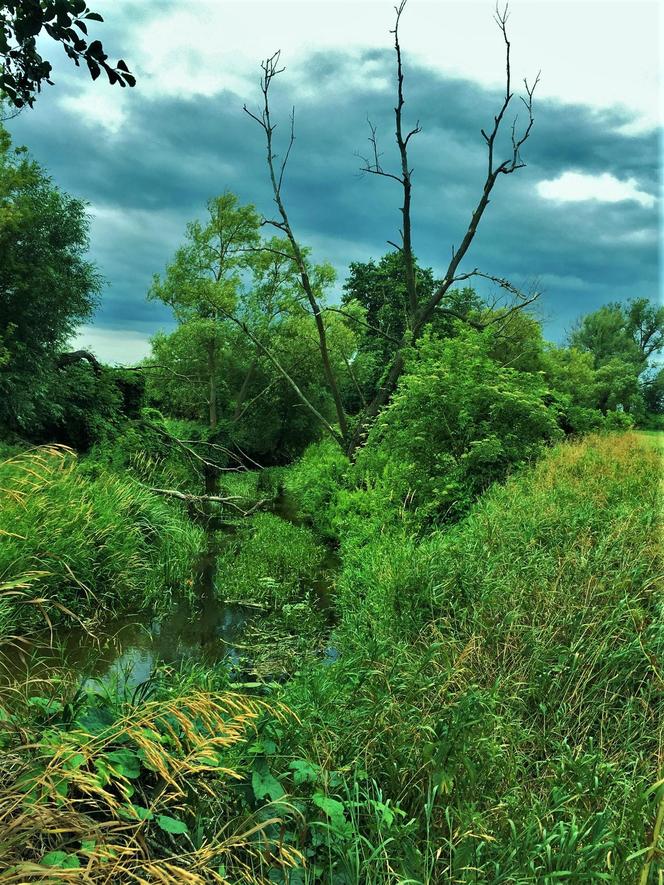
[(205, 499)]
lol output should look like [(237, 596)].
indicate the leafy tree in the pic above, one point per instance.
[(622, 339), (653, 393), (87, 407), (178, 370), (458, 422), (22, 67), (517, 341), (47, 287), (632, 332), (251, 341), (204, 280), (380, 289), (571, 372)]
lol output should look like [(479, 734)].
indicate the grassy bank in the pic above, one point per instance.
[(89, 544), (492, 712), (500, 684)]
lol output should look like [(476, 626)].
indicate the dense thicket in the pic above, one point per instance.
[(47, 286), (499, 684)]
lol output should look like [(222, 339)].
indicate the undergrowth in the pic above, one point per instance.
[(501, 682), (75, 544)]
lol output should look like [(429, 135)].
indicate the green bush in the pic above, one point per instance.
[(315, 480), (458, 422)]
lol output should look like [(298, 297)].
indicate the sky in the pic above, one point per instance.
[(580, 223)]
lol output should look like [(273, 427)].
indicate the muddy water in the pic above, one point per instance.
[(124, 652)]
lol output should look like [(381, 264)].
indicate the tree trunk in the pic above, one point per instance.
[(242, 395), (212, 372)]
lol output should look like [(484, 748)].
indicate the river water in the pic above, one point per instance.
[(125, 651)]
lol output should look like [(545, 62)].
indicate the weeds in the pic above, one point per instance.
[(98, 795), (84, 543)]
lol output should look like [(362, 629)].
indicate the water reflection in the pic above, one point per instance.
[(129, 651), (126, 650)]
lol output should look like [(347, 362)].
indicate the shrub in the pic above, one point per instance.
[(315, 480), (458, 422)]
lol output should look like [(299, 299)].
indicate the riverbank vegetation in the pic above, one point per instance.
[(394, 558), (492, 711)]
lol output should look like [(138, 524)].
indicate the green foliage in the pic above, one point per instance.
[(181, 384), (315, 480), (457, 423), (100, 782), (246, 336), (631, 332), (500, 679), (148, 450), (23, 69), (271, 423), (84, 408), (88, 544), (46, 284), (269, 561), (380, 290), (653, 392), (620, 342), (517, 341), (205, 274)]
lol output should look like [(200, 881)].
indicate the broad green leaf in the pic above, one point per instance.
[(332, 808), (95, 720), (304, 772), (74, 761), (264, 783), (46, 705), (171, 824), (61, 859), (124, 762), (136, 812)]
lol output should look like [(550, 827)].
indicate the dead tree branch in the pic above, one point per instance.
[(420, 315), (374, 167), (208, 499), (271, 69)]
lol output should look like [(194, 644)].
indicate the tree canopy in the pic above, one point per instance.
[(47, 284)]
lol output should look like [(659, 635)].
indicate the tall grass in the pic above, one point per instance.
[(103, 798), (85, 543), (510, 668)]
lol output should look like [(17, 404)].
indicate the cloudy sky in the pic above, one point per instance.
[(581, 221)]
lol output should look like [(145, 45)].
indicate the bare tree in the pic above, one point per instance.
[(271, 69), (418, 314)]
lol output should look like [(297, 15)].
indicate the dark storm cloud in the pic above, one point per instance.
[(172, 154)]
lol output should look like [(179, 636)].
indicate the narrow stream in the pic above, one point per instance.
[(125, 651)]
